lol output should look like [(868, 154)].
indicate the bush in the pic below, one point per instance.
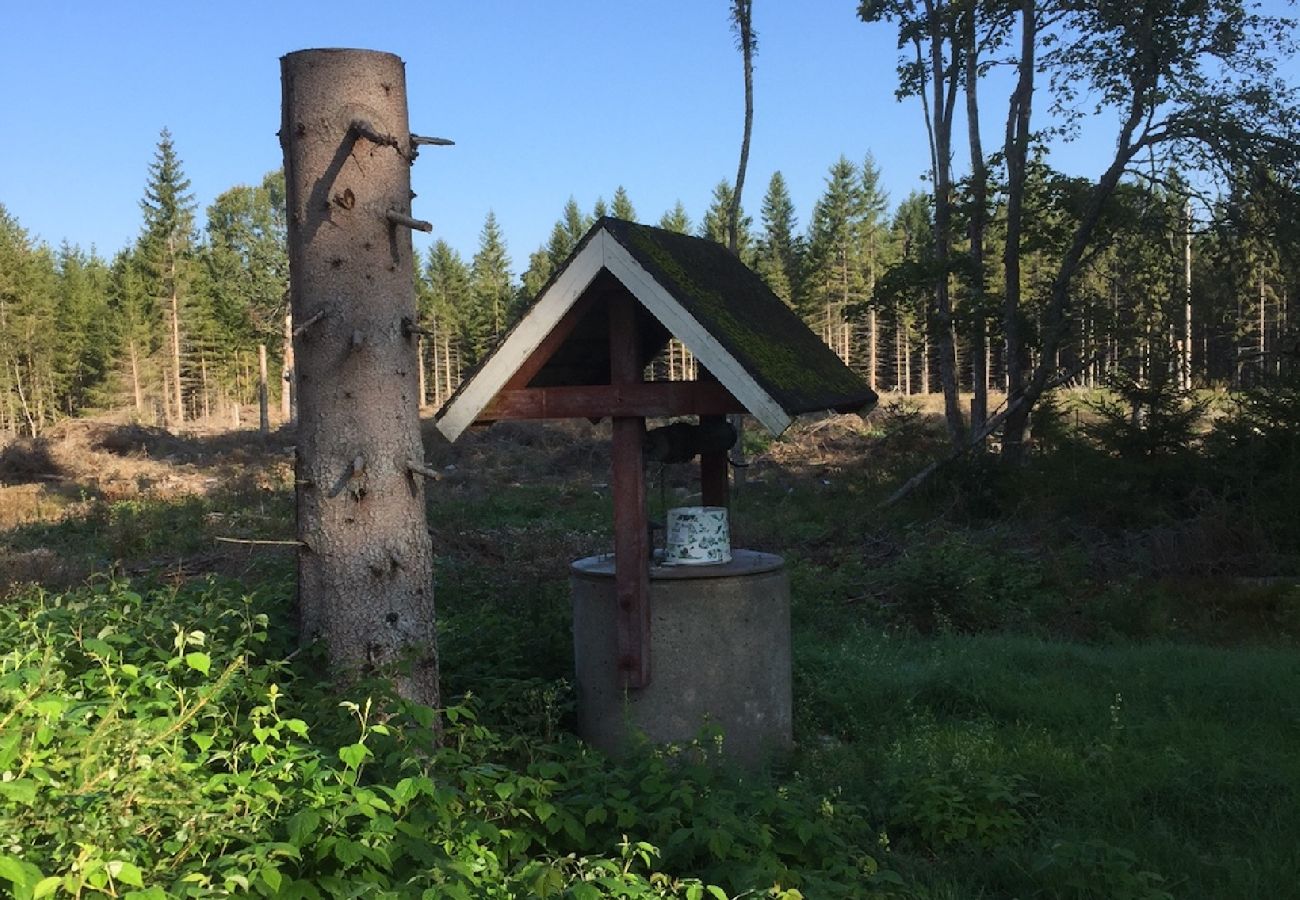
[(159, 743)]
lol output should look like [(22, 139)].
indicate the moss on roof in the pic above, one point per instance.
[(765, 336)]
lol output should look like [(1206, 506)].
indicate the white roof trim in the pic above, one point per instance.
[(523, 340), (604, 252)]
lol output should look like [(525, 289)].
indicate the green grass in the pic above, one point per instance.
[(1183, 756)]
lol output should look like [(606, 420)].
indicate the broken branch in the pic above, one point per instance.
[(420, 140), (397, 218), (421, 469), (368, 131), (302, 329)]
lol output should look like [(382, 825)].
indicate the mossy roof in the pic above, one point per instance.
[(690, 288), (736, 307)]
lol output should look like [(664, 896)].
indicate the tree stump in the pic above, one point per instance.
[(365, 579)]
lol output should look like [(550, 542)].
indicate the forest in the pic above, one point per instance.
[(1044, 598), (170, 327)]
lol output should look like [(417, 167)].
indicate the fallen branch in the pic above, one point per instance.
[(992, 425), (228, 540)]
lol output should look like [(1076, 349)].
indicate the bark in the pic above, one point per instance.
[(365, 566), (1016, 150)]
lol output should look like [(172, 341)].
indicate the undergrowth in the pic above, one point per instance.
[(163, 742)]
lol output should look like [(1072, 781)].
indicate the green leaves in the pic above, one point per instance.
[(200, 662)]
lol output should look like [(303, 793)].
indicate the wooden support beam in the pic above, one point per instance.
[(631, 536), (654, 399), (715, 474), (714, 486)]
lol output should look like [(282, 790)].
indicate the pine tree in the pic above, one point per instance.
[(778, 252), (600, 210), (676, 220), (166, 247), (622, 208)]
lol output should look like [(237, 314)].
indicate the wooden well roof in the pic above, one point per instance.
[(686, 287)]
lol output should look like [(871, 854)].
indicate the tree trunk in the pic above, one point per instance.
[(1016, 150), (263, 401), (943, 83), (176, 348), (1185, 367), (979, 187), (742, 13), (203, 373), (1262, 345), (287, 374), (365, 570), (135, 381), (873, 348), (422, 392)]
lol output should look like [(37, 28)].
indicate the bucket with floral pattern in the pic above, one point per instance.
[(697, 536)]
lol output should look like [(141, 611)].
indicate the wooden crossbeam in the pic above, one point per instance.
[(653, 399)]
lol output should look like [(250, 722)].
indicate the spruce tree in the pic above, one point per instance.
[(716, 219), (28, 328), (873, 243), (245, 274), (622, 208), (536, 275), (493, 303), (85, 350), (835, 285), (676, 220), (446, 314), (165, 247), (778, 252)]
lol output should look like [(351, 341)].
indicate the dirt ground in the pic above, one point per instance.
[(83, 467)]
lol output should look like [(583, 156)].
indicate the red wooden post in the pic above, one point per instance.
[(631, 535), (714, 487)]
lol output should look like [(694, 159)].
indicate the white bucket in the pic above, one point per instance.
[(697, 536)]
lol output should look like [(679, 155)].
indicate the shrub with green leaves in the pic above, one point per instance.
[(161, 743)]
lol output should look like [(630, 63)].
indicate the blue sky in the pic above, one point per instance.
[(544, 99)]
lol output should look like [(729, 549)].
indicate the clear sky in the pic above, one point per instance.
[(544, 100)]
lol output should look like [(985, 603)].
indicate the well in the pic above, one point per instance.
[(722, 656)]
